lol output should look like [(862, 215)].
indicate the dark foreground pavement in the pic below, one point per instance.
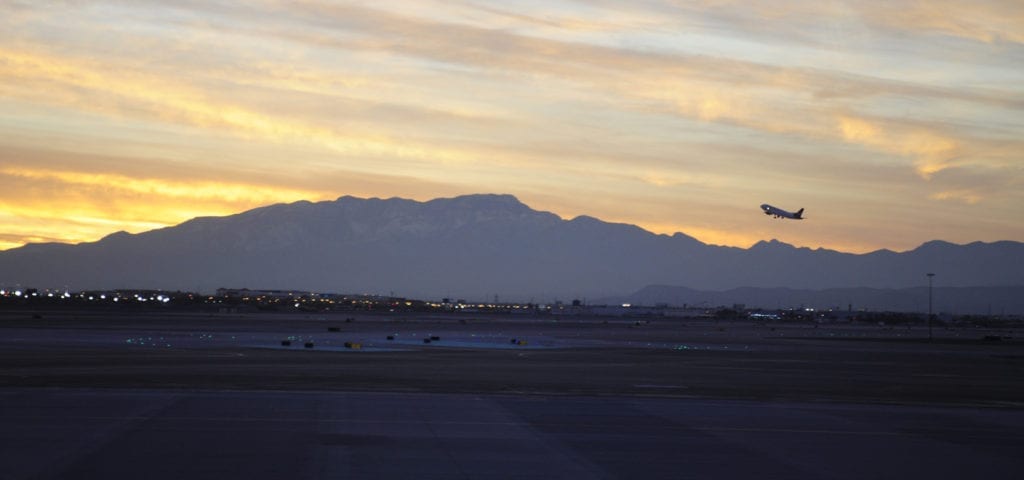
[(158, 396), (164, 434)]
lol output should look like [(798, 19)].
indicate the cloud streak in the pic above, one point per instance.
[(646, 104), (709, 89)]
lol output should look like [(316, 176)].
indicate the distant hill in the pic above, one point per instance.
[(474, 247), (951, 300)]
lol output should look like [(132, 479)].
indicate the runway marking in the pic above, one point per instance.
[(301, 420), (804, 431)]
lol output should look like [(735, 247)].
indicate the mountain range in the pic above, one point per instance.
[(476, 247)]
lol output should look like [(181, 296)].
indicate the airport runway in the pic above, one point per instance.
[(117, 396), (560, 356), (162, 434)]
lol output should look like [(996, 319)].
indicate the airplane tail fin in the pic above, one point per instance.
[(799, 213)]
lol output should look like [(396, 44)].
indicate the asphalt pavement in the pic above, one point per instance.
[(56, 433), (88, 395)]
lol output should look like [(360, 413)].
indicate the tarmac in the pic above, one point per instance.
[(164, 395)]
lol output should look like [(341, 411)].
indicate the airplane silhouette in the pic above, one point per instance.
[(780, 213)]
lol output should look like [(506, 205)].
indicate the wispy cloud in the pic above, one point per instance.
[(983, 21), (965, 196), (193, 190), (986, 21), (644, 103)]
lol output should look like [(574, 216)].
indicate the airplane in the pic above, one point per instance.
[(780, 213)]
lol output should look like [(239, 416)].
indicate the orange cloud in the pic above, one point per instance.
[(711, 236), (932, 152), (193, 190), (965, 196), (667, 178), (115, 91), (79, 206)]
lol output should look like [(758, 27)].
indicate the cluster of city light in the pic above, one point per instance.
[(90, 296), (330, 301), (298, 301), (461, 305), (32, 293)]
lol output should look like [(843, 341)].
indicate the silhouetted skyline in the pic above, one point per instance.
[(478, 246)]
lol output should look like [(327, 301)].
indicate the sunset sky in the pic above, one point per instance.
[(891, 122)]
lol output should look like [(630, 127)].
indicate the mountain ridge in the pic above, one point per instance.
[(474, 246)]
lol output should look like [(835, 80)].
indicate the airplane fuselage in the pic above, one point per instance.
[(780, 213)]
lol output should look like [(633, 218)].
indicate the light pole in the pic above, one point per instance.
[(930, 275)]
